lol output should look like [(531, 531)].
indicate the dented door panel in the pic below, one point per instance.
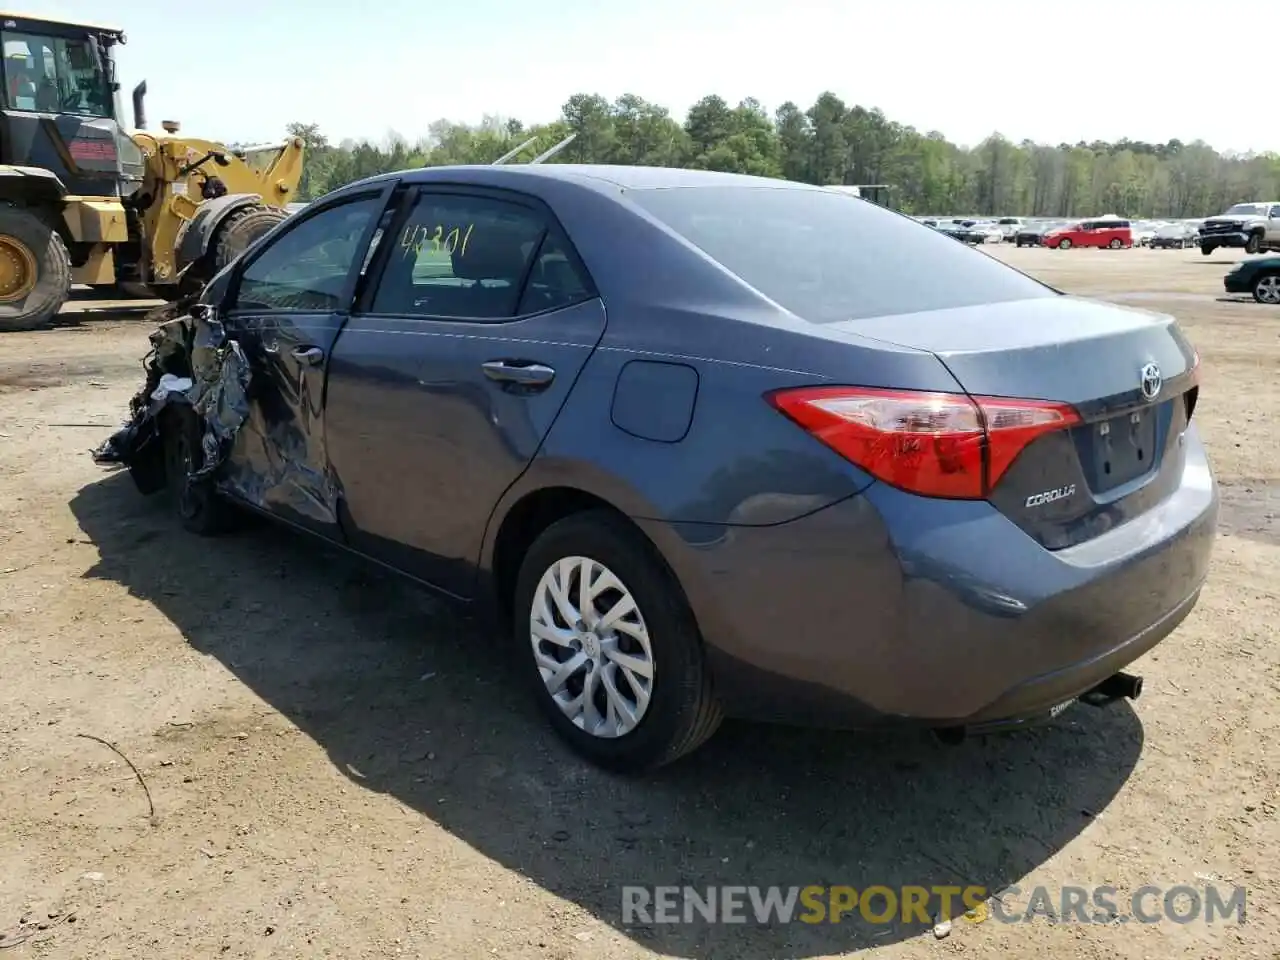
[(278, 460), (288, 306)]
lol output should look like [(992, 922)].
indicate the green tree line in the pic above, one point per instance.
[(832, 142)]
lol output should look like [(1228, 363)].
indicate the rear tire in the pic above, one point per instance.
[(679, 709), (241, 229), (35, 271), (1266, 289), (196, 503), (1116, 244)]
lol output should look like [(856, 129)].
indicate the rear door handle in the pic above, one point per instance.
[(311, 356), (520, 372)]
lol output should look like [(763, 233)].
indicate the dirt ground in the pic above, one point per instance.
[(340, 769)]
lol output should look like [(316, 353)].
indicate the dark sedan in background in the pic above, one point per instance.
[(706, 444), (1175, 236), (1032, 234), (955, 229), (1259, 276)]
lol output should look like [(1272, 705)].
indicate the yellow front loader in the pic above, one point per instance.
[(201, 203), (83, 201)]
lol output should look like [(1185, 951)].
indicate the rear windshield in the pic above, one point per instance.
[(828, 257)]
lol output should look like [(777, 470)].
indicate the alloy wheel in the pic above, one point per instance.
[(592, 647), (1267, 289)]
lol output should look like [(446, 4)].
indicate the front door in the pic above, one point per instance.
[(285, 308), (450, 372)]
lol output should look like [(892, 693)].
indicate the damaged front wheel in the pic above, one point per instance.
[(199, 508)]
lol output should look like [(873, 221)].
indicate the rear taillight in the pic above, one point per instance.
[(1193, 392), (932, 444)]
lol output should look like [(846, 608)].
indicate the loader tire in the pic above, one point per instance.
[(241, 229), (35, 271)]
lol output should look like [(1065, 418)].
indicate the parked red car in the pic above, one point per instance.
[(1091, 233)]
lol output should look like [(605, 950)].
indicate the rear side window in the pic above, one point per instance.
[(476, 258), (555, 280), (827, 257)]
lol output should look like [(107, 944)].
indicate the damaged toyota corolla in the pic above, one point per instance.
[(704, 444)]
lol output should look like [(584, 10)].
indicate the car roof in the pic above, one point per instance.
[(597, 175)]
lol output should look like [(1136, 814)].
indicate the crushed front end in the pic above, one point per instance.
[(192, 362)]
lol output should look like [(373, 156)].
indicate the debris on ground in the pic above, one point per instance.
[(30, 930)]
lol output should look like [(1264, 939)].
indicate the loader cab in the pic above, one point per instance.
[(59, 104)]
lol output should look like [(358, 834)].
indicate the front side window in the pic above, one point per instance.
[(828, 257), (53, 74), (475, 258), (306, 268)]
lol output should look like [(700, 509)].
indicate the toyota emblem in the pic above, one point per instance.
[(1151, 381)]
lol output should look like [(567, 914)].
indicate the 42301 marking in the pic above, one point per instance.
[(438, 239)]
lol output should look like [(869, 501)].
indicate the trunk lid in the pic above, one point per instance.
[(1126, 455)]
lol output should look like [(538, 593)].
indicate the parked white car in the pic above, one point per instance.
[(1009, 227), (986, 233), (1144, 231)]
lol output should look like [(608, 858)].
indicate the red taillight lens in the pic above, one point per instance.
[(932, 444)]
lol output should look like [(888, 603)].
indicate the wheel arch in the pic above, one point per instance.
[(31, 186), (521, 522), (196, 236)]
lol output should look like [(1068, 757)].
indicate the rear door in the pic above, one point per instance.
[(287, 304), (451, 371)]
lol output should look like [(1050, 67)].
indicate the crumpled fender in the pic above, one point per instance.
[(192, 361)]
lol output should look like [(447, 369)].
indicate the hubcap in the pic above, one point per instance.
[(1269, 289), (17, 269), (591, 647)]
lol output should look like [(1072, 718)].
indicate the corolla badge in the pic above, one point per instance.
[(1151, 381), (1049, 496)]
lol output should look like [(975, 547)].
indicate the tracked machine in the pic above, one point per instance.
[(85, 201)]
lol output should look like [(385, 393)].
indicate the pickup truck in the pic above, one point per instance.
[(1254, 226)]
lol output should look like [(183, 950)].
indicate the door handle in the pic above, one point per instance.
[(520, 372), (311, 356)]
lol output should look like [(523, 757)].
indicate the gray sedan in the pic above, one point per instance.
[(702, 445)]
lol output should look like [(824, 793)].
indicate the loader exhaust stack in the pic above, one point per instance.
[(139, 110)]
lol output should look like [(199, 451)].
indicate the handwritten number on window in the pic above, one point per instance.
[(438, 239)]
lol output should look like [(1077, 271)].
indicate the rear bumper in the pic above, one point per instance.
[(945, 615)]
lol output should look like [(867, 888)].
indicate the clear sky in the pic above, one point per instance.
[(1081, 70)]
